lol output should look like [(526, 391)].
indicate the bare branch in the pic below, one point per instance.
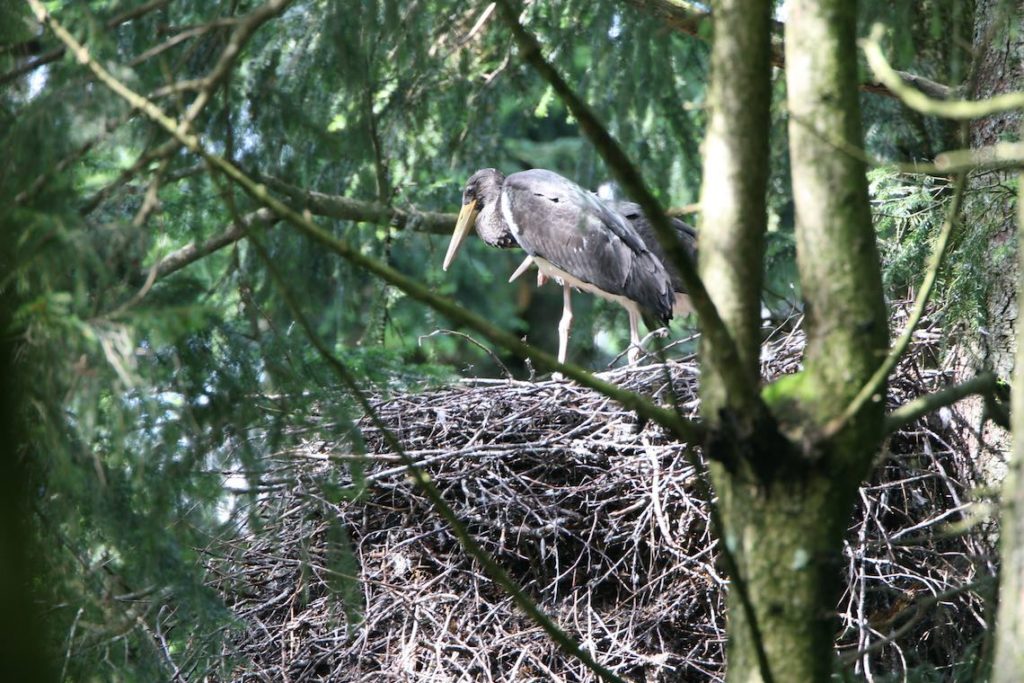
[(921, 406), (178, 38), (471, 340), (1002, 155), (191, 253), (922, 101)]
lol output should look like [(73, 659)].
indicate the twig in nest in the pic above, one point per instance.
[(470, 339)]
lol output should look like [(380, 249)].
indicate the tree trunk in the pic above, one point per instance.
[(733, 217), (1009, 627), (1009, 652), (999, 68), (787, 544), (786, 482)]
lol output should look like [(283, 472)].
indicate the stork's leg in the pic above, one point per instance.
[(565, 324), (633, 355)]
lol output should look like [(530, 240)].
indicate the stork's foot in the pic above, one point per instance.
[(636, 347)]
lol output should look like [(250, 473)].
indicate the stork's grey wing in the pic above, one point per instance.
[(685, 233), (561, 190), (556, 220)]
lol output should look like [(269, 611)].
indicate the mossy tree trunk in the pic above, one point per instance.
[(786, 478), (993, 219), (1009, 627)]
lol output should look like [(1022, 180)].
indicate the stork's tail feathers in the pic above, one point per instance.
[(649, 285)]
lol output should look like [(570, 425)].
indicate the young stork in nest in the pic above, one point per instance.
[(575, 238)]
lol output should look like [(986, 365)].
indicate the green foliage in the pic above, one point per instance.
[(908, 211)]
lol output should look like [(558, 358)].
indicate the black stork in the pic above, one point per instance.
[(575, 238)]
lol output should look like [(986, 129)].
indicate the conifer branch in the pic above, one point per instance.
[(190, 253), (362, 211), (683, 428), (687, 17), (58, 52)]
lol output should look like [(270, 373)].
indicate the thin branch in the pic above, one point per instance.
[(191, 253), (157, 153), (463, 335), (919, 609), (921, 406), (177, 39), (1000, 156), (744, 397), (493, 569), (852, 150), (333, 206), (684, 429), (870, 390), (921, 84), (919, 101), (28, 67)]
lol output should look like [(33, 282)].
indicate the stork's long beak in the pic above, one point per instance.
[(467, 217)]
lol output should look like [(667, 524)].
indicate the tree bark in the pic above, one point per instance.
[(785, 483), (1009, 628), (787, 546), (999, 68), (846, 325), (733, 219)]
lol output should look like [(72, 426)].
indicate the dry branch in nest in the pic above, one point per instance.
[(599, 521)]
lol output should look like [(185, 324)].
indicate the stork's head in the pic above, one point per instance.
[(481, 194)]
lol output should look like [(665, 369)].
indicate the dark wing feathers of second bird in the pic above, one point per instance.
[(576, 232), (685, 233)]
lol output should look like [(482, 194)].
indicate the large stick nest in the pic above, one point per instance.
[(600, 520)]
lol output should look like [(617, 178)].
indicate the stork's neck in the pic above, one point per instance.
[(492, 226)]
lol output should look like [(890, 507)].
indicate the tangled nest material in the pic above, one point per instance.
[(599, 520)]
